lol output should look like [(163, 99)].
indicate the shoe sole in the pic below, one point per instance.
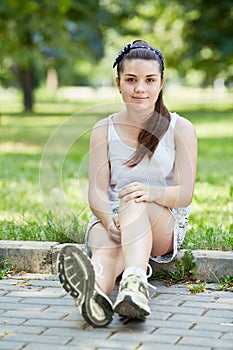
[(128, 308), (77, 277)]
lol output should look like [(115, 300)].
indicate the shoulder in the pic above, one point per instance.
[(183, 125), (184, 129), (100, 128), (103, 123), (99, 133)]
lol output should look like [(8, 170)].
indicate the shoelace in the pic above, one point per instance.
[(148, 275), (99, 273), (97, 265)]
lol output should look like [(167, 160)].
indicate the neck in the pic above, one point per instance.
[(137, 115)]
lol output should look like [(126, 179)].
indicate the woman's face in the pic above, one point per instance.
[(140, 83)]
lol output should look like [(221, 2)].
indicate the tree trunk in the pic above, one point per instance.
[(26, 79)]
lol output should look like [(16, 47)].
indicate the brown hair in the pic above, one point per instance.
[(156, 126)]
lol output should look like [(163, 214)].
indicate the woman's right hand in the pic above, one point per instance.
[(113, 228)]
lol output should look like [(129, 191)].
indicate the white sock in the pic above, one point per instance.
[(135, 270)]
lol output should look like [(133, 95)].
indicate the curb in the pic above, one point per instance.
[(41, 257)]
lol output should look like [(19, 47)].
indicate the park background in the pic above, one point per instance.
[(57, 81)]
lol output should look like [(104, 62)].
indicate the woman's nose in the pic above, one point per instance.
[(139, 87)]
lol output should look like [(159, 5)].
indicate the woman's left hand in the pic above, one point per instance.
[(137, 192)]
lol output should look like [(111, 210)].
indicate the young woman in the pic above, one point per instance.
[(141, 182)]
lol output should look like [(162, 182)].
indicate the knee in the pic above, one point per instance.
[(131, 210)]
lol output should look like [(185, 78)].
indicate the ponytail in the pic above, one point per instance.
[(152, 132)]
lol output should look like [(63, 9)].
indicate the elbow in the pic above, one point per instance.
[(187, 199), (187, 202), (184, 198)]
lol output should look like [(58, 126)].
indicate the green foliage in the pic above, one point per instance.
[(71, 35), (40, 34), (54, 229), (222, 285), (4, 268), (195, 36), (199, 287), (184, 268), (226, 284), (207, 37)]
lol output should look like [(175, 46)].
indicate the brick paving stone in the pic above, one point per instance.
[(25, 293), (11, 300), (223, 327), (39, 346), (118, 344), (11, 320), (209, 305), (27, 338), (202, 297), (154, 337), (62, 308), (78, 323), (7, 305), (149, 346), (220, 313), (175, 289), (12, 287), (165, 302), (224, 344), (30, 314), (2, 291), (84, 333), (9, 345), (228, 336), (189, 332), (196, 319), (49, 301), (178, 310), (11, 329), (223, 300), (172, 347), (171, 324), (132, 326), (43, 283)]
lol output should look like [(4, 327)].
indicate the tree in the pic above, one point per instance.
[(33, 32), (159, 22), (207, 37), (193, 35)]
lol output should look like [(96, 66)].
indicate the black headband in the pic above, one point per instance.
[(130, 47)]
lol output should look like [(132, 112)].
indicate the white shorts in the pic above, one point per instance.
[(180, 215)]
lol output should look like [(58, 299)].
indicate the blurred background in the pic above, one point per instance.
[(73, 43)]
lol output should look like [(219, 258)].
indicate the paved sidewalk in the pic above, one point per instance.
[(36, 314)]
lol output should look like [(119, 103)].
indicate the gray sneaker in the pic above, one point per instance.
[(77, 276), (133, 297)]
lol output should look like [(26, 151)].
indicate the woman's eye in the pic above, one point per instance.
[(150, 80), (130, 80)]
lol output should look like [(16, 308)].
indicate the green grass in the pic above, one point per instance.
[(44, 162)]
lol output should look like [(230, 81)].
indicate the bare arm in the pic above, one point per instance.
[(180, 194), (99, 177)]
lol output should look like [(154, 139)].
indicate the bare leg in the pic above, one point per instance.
[(136, 234), (145, 228), (106, 256)]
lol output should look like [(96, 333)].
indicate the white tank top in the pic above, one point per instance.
[(159, 170)]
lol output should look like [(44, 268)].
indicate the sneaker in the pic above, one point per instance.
[(77, 276), (133, 297)]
